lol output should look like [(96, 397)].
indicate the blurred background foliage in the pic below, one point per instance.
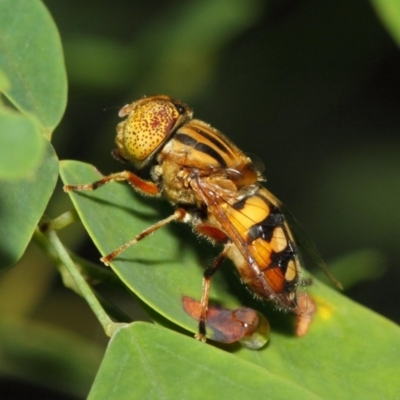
[(312, 88)]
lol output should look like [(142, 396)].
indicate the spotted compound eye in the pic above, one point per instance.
[(149, 123)]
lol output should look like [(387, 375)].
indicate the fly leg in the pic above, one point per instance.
[(143, 186), (208, 273), (178, 215)]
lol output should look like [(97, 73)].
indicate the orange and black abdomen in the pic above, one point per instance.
[(264, 232)]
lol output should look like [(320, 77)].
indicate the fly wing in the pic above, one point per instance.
[(304, 242), (267, 281)]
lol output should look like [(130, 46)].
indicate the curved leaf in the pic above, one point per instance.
[(22, 203), (345, 343), (31, 57)]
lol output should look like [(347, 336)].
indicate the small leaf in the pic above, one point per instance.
[(21, 145), (22, 203), (31, 58)]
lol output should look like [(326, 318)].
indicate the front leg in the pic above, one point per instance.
[(145, 187)]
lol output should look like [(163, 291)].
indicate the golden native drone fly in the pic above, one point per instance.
[(216, 189)]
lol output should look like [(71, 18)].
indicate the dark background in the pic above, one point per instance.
[(312, 88)]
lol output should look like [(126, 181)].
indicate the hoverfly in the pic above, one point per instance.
[(216, 189)]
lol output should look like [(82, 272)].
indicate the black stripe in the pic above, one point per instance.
[(185, 139), (201, 147), (282, 258), (265, 229), (215, 141)]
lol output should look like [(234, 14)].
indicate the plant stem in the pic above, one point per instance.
[(50, 241)]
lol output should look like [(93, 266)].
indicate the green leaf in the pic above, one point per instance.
[(48, 356), (389, 12), (21, 145), (31, 57), (144, 361), (334, 360), (337, 359), (151, 362), (22, 203)]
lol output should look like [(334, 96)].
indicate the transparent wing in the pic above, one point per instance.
[(304, 242), (234, 224)]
